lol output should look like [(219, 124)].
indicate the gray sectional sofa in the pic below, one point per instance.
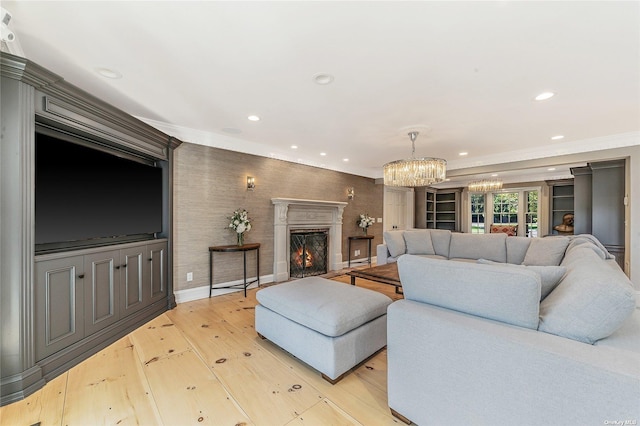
[(511, 330)]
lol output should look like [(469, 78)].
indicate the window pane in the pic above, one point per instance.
[(477, 216), (532, 214)]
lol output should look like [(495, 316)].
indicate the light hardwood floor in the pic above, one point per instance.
[(202, 363)]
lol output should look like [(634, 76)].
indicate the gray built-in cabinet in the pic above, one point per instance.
[(599, 194), (59, 307), (80, 293), (437, 209)]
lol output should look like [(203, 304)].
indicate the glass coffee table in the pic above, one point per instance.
[(385, 274)]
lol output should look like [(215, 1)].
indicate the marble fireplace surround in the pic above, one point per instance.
[(293, 213)]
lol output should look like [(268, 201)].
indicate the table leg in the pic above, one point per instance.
[(353, 280), (349, 255), (258, 265), (244, 264), (210, 273)]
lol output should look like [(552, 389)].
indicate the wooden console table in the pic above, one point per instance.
[(361, 237), (234, 249)]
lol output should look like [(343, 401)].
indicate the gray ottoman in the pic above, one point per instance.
[(329, 325)]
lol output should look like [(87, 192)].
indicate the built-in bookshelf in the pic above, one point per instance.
[(562, 201)]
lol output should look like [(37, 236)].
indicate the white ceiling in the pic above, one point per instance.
[(462, 73)]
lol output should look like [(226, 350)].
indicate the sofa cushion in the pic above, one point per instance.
[(326, 306), (476, 246), (546, 251), (550, 276), (592, 242), (395, 242), (508, 295), (591, 302), (418, 242), (441, 238), (517, 249)]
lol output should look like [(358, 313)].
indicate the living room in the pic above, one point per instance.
[(220, 149)]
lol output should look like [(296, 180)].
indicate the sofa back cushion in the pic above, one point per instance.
[(509, 295), (546, 251), (550, 276), (591, 302), (418, 242), (479, 246), (441, 238), (395, 242), (517, 249)]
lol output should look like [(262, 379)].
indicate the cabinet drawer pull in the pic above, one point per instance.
[(150, 259), (117, 267), (81, 276), (124, 266)]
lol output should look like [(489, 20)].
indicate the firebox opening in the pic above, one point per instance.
[(308, 252)]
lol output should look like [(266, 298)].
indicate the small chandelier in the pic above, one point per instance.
[(415, 171), (485, 185)]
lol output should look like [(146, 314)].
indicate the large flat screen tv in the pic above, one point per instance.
[(86, 196)]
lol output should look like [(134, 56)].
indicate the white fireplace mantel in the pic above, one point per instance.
[(294, 213)]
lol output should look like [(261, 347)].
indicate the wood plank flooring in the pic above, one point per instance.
[(202, 363)]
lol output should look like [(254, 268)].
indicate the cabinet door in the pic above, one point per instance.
[(58, 296), (101, 291), (158, 266), (134, 274)]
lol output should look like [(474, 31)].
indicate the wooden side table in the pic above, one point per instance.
[(234, 249), (361, 237)]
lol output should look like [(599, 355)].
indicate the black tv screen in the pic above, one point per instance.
[(84, 194)]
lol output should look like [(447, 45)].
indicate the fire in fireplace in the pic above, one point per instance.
[(308, 252)]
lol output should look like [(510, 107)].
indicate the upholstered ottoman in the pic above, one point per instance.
[(329, 325)]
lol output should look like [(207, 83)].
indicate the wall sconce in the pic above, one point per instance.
[(351, 193), (251, 183)]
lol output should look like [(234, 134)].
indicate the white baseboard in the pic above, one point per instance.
[(202, 292)]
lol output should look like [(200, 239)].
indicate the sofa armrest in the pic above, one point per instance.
[(382, 253), (446, 367)]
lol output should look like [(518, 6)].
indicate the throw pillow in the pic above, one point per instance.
[(395, 243), (546, 251), (418, 242), (550, 276)]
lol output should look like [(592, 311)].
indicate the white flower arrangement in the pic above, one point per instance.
[(365, 221), (240, 221)]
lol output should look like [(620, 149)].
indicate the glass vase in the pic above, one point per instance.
[(240, 239)]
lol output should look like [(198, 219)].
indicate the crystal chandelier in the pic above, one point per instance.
[(415, 171), (485, 185)]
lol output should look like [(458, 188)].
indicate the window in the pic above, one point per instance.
[(518, 207), (477, 213), (531, 216), (505, 208)]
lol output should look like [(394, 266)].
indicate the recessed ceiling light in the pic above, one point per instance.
[(253, 118), (346, 160), (322, 78), (557, 137), (462, 154), (294, 146), (544, 96), (323, 153), (109, 73), (550, 169)]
